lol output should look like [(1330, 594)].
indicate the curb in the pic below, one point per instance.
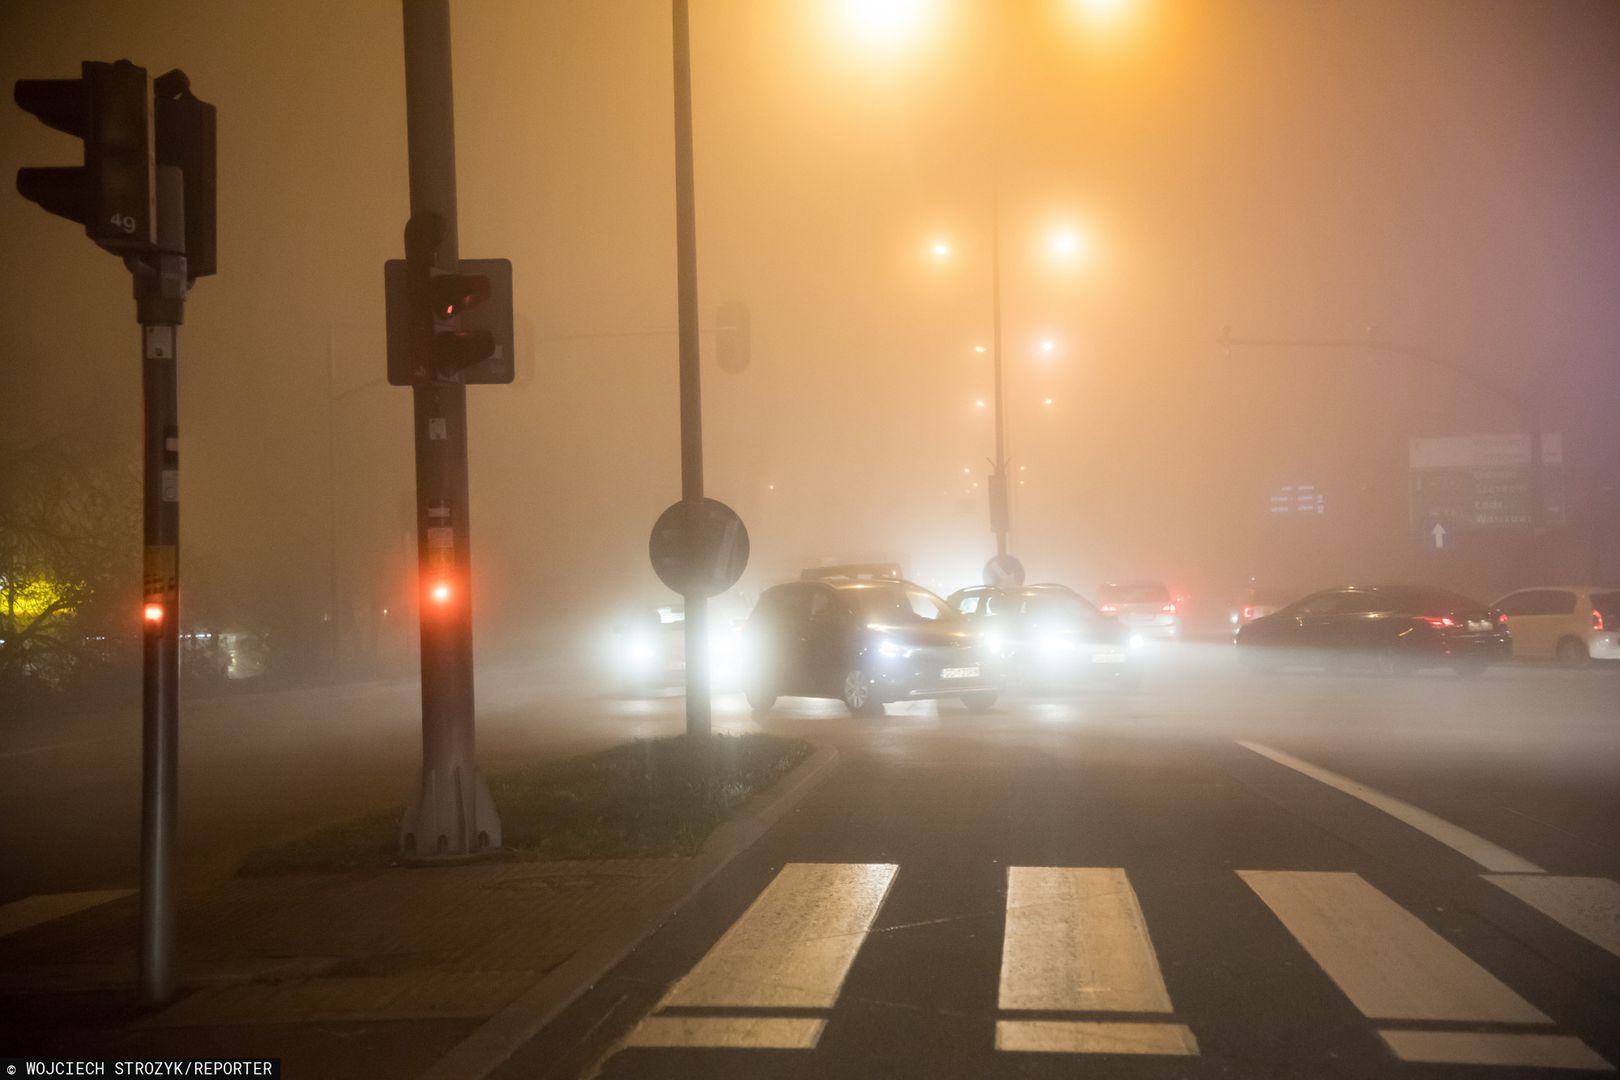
[(499, 1037)]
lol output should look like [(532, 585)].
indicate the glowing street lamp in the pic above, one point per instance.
[(885, 22)]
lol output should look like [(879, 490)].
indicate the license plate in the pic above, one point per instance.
[(1108, 658), (960, 672), (1479, 625)]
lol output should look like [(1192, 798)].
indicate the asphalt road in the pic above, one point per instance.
[(1214, 875), (1299, 876)]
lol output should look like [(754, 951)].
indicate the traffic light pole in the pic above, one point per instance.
[(696, 605), (452, 815), (160, 297)]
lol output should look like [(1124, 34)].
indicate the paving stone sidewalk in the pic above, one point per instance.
[(338, 975)]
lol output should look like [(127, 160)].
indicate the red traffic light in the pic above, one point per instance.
[(440, 593), (453, 294)]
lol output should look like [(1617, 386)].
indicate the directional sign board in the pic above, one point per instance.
[(1004, 571), (1438, 536), (701, 554), (1475, 482)]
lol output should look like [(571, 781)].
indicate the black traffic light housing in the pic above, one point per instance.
[(447, 327), (185, 139), (113, 194)]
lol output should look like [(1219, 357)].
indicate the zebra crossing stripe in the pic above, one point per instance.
[(792, 948), (1388, 963), (737, 1032), (1075, 941), (1393, 967), (1586, 905), (1511, 1049)]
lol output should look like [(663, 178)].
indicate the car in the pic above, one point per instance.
[(865, 642), (1257, 601), (646, 652), (1143, 607), (1047, 634), (1569, 623), (1390, 628)]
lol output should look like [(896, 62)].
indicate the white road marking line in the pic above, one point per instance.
[(1482, 851), (1511, 1049), (748, 1033), (1387, 962), (1086, 1037), (1075, 940), (34, 910), (1590, 906), (795, 943)]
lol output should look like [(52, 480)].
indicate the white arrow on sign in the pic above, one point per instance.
[(1439, 534)]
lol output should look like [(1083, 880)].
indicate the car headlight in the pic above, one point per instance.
[(993, 643), (893, 649), (1137, 641), (1052, 643), (639, 653)]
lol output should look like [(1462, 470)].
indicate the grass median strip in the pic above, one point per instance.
[(652, 798)]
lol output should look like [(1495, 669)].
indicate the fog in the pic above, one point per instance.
[(1440, 175)]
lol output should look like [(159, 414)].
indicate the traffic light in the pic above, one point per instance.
[(471, 312), (185, 139), (112, 194)]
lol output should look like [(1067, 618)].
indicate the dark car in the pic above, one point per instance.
[(1047, 634), (865, 642), (1390, 628)]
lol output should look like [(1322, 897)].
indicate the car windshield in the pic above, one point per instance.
[(1062, 607), (897, 604), (1135, 594)]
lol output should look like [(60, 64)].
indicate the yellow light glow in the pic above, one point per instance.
[(1102, 10), (1048, 346), (979, 403), (941, 249), (885, 22), (978, 348)]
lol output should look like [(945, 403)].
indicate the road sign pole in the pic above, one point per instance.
[(160, 298), (452, 814), (999, 523), (697, 605)]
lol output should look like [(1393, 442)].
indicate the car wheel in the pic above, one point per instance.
[(1572, 652), (859, 696), (980, 701), (760, 699)]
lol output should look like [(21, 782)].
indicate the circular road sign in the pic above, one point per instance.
[(1003, 571), (699, 554)]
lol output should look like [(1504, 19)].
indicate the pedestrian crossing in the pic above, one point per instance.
[(1080, 974)]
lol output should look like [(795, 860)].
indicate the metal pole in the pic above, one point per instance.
[(160, 296), (697, 606), (452, 814), (999, 510)]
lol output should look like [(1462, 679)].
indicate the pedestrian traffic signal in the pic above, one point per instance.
[(472, 339), (113, 193)]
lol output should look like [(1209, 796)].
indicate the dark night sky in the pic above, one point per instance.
[(1441, 170)]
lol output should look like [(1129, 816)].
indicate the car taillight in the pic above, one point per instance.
[(1168, 609), (1439, 620), (1109, 609), (1248, 613), (1501, 617), (1597, 619)]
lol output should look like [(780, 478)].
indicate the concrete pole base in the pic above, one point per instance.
[(451, 818)]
